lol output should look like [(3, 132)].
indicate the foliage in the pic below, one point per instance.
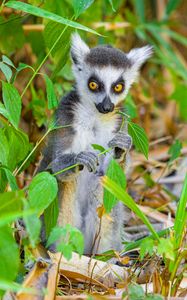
[(29, 97)]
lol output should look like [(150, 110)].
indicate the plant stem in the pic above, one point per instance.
[(43, 61), (182, 255), (33, 150)]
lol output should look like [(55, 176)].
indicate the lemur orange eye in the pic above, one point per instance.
[(93, 85), (118, 88)]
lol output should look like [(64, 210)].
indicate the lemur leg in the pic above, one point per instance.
[(69, 210), (109, 236)]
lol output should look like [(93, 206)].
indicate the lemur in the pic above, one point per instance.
[(103, 76)]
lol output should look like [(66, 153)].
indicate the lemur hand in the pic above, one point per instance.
[(88, 159), (121, 143)]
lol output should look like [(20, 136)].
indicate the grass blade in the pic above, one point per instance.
[(123, 196), (39, 12)]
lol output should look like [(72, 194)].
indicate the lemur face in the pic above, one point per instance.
[(104, 74)]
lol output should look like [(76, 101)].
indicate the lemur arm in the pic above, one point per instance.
[(58, 156), (121, 143)]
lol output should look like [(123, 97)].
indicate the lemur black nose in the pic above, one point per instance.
[(105, 106)]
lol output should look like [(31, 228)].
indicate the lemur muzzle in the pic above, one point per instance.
[(105, 106)]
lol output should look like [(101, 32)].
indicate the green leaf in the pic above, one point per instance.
[(42, 191), (12, 102), (39, 12), (130, 107), (68, 239), (51, 33), (9, 254), (8, 285), (18, 144), (175, 150), (98, 147), (11, 178), (11, 202), (6, 71), (123, 196), (166, 248), (112, 5), (115, 173), (139, 138), (50, 216), (133, 245), (180, 95), (11, 33), (135, 292), (77, 240), (172, 5), (80, 6), (51, 97), (3, 111), (4, 147), (66, 249), (181, 216), (140, 9), (23, 66), (7, 61), (146, 247), (33, 226)]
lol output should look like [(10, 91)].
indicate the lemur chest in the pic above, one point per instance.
[(93, 130)]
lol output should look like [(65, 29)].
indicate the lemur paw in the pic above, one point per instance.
[(121, 142), (88, 159)]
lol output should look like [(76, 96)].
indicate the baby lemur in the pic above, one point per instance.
[(103, 77)]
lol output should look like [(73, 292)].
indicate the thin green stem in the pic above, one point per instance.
[(2, 5), (66, 169), (182, 255), (43, 61), (76, 165), (33, 150)]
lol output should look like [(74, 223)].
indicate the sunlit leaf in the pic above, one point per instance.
[(166, 248), (80, 6), (67, 239), (172, 5), (50, 216), (175, 150), (9, 254), (6, 70), (10, 177), (139, 138), (98, 147), (123, 196), (112, 5), (33, 225), (146, 247), (115, 173), (51, 97), (7, 60), (39, 12), (12, 102), (42, 191)]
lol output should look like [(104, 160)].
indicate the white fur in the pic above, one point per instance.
[(91, 127), (79, 49)]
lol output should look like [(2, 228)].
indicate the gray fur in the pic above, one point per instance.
[(103, 56), (92, 121)]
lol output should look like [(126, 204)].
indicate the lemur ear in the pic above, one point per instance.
[(138, 56), (78, 49)]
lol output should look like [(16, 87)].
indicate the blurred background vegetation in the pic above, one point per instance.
[(158, 102), (32, 47)]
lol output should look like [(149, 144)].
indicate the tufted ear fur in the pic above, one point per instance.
[(138, 56), (79, 49)]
